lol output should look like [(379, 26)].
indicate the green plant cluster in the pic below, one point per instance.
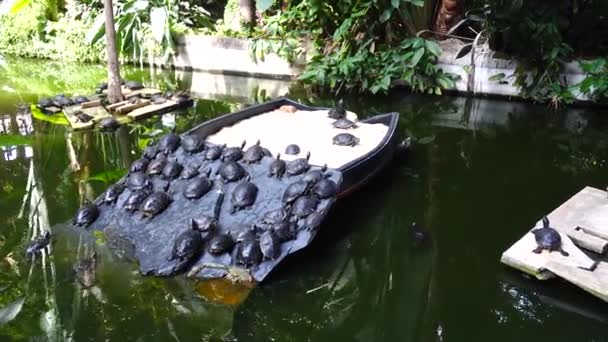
[(357, 45), (31, 33), (595, 85)]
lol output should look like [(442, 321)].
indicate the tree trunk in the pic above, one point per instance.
[(247, 11), (449, 13), (114, 91)]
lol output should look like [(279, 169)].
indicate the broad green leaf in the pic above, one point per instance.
[(58, 119), (19, 5), (464, 51), (445, 83), (417, 56), (96, 31), (386, 15), (497, 77), (263, 5), (395, 3), (12, 140), (418, 42), (158, 21), (109, 176), (9, 312), (433, 47)]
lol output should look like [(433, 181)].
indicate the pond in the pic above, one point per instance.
[(481, 173)]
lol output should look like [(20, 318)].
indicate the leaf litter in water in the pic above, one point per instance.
[(9, 312)]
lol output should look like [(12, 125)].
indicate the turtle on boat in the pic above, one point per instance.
[(345, 139), (157, 165), (109, 124), (110, 196), (86, 214), (198, 187), (38, 244), (155, 204), (82, 117), (277, 167), (214, 152), (85, 270), (243, 196), (270, 245), (249, 252), (138, 181), (233, 153), (172, 170), (254, 154), (338, 112), (140, 165), (298, 166), (186, 246), (220, 244), (169, 143), (231, 171), (135, 199), (292, 149), (344, 123), (548, 238), (295, 190), (193, 143)]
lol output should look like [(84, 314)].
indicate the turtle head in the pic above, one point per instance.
[(308, 156), (279, 156), (258, 142), (324, 168), (545, 222), (244, 143), (208, 173), (193, 224)]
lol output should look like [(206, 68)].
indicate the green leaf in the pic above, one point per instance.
[(19, 5), (432, 47), (418, 43), (417, 56), (445, 82), (96, 31), (12, 140), (100, 237), (9, 312), (395, 3), (497, 77), (263, 5), (107, 177), (58, 119), (386, 15)]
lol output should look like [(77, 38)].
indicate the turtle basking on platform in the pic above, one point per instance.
[(193, 143), (189, 172), (198, 187), (46, 102), (220, 244), (249, 252), (186, 246), (169, 143), (157, 165), (325, 188), (172, 170), (338, 112), (86, 214), (150, 152), (82, 117), (254, 154), (231, 171), (344, 123), (233, 153), (548, 238), (135, 199), (277, 167), (304, 206), (138, 181), (132, 85), (110, 196), (275, 216), (295, 190), (80, 99), (270, 245), (140, 165), (155, 204), (157, 99), (298, 166), (38, 244), (314, 176), (214, 152), (243, 196), (292, 149), (109, 124), (345, 139)]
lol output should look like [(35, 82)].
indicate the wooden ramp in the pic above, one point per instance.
[(581, 222), (95, 111)]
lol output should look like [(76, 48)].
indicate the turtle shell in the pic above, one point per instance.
[(204, 224), (270, 245), (172, 170), (284, 231), (243, 196), (169, 143), (137, 181), (193, 143), (344, 123), (338, 112), (82, 116), (548, 238), (325, 188), (314, 176), (109, 124), (150, 152), (249, 252), (214, 152), (220, 244), (186, 245), (111, 194), (345, 139), (140, 165), (46, 102), (304, 206), (158, 99), (232, 171), (197, 187), (157, 165), (132, 85), (155, 204), (189, 172), (298, 166), (275, 216), (253, 154), (295, 190), (80, 99), (277, 167), (86, 215), (135, 199), (233, 153)]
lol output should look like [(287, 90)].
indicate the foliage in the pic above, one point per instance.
[(356, 45), (595, 83)]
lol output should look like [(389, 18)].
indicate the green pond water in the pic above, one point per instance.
[(481, 173)]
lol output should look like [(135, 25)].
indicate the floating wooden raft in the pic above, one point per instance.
[(92, 108), (582, 221)]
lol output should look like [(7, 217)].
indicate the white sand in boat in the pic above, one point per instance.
[(310, 130)]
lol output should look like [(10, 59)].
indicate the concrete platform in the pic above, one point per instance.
[(581, 222)]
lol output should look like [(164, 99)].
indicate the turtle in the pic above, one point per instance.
[(270, 245), (186, 245), (275, 216), (345, 139), (193, 143), (249, 252), (298, 166), (314, 176), (134, 100), (157, 166), (150, 152), (140, 165), (231, 171), (45, 102), (181, 98), (204, 223), (110, 196), (157, 99), (169, 143), (86, 214), (245, 234), (220, 244), (243, 196), (277, 167), (313, 220), (214, 152), (295, 190), (548, 238), (338, 111), (38, 244), (198, 187), (284, 231), (138, 181), (292, 149), (109, 124), (172, 170), (325, 188), (132, 85), (85, 270), (80, 99), (253, 154), (102, 86), (417, 235), (304, 206), (189, 172), (155, 204), (135, 199), (344, 123), (233, 153), (61, 101), (82, 116)]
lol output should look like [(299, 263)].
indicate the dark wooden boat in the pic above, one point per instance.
[(356, 173)]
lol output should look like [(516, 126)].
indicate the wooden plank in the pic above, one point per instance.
[(116, 105), (94, 103), (153, 109), (97, 113), (132, 106), (594, 282)]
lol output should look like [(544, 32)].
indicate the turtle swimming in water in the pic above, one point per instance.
[(345, 139), (155, 204), (254, 154), (135, 199), (548, 238), (198, 187), (344, 123), (169, 143), (231, 171), (249, 252), (38, 244), (292, 149), (110, 196), (270, 245), (220, 244), (243, 196), (338, 112), (193, 143), (140, 165), (277, 167), (233, 153), (109, 124), (214, 152), (172, 170), (298, 166), (85, 270), (86, 215)]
